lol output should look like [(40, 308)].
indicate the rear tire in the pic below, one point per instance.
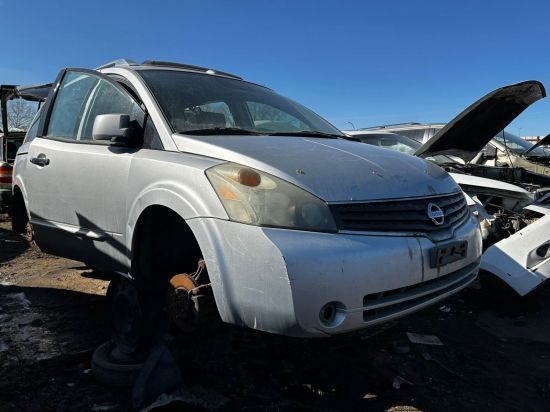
[(20, 223)]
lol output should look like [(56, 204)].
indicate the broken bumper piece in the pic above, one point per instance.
[(523, 259)]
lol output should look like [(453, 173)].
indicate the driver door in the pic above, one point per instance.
[(77, 185)]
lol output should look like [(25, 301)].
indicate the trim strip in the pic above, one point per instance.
[(75, 230)]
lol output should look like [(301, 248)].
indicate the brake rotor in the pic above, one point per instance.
[(179, 301)]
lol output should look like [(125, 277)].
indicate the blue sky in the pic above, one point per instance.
[(365, 62)]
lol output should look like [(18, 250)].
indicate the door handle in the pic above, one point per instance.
[(40, 160)]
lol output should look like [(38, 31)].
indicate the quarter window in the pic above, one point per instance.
[(31, 133)]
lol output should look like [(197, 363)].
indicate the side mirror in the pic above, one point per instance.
[(116, 128)]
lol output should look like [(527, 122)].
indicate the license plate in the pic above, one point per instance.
[(448, 253)]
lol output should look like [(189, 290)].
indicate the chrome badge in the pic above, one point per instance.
[(435, 214)]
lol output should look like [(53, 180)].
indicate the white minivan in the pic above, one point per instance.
[(192, 186)]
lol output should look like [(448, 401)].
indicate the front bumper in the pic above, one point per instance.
[(280, 280)]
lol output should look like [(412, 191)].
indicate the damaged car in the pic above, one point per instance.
[(514, 218), (192, 187), (504, 156)]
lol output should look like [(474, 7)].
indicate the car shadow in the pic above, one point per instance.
[(11, 245)]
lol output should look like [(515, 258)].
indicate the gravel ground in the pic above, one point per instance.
[(494, 353)]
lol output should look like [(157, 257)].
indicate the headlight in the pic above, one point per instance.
[(257, 198)]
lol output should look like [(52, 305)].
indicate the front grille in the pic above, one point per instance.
[(378, 307), (403, 216)]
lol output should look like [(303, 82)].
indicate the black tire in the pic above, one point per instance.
[(20, 223), (114, 370), (139, 317)]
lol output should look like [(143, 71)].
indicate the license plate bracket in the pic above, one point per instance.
[(447, 253)]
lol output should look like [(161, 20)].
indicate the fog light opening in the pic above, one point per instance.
[(332, 314), (328, 312)]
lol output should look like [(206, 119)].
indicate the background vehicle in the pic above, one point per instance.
[(150, 171), (503, 151), (16, 112), (516, 232)]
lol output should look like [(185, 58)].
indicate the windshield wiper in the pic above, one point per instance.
[(307, 133), (227, 131)]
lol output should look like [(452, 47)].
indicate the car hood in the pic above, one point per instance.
[(332, 169), (471, 130)]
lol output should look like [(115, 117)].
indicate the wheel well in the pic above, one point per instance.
[(163, 245), (19, 215)]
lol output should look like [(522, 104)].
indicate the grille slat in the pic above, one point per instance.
[(407, 216)]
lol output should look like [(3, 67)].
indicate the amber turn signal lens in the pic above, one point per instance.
[(227, 194), (247, 177)]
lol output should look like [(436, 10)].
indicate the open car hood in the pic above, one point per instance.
[(544, 141), (471, 130), (35, 92)]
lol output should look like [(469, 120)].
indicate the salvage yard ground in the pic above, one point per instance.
[(494, 353)]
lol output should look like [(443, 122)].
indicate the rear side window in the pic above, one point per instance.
[(82, 97), (33, 130)]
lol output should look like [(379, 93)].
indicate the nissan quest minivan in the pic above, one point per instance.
[(195, 189)]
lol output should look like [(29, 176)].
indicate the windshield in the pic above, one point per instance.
[(390, 141), (195, 102), (517, 144), (402, 144)]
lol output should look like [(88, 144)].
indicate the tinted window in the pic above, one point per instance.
[(80, 99)]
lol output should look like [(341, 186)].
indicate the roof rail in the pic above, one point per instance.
[(189, 67), (117, 63), (385, 126)]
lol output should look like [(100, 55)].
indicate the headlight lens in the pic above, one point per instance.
[(257, 198)]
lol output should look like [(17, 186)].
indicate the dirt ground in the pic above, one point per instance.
[(494, 353)]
